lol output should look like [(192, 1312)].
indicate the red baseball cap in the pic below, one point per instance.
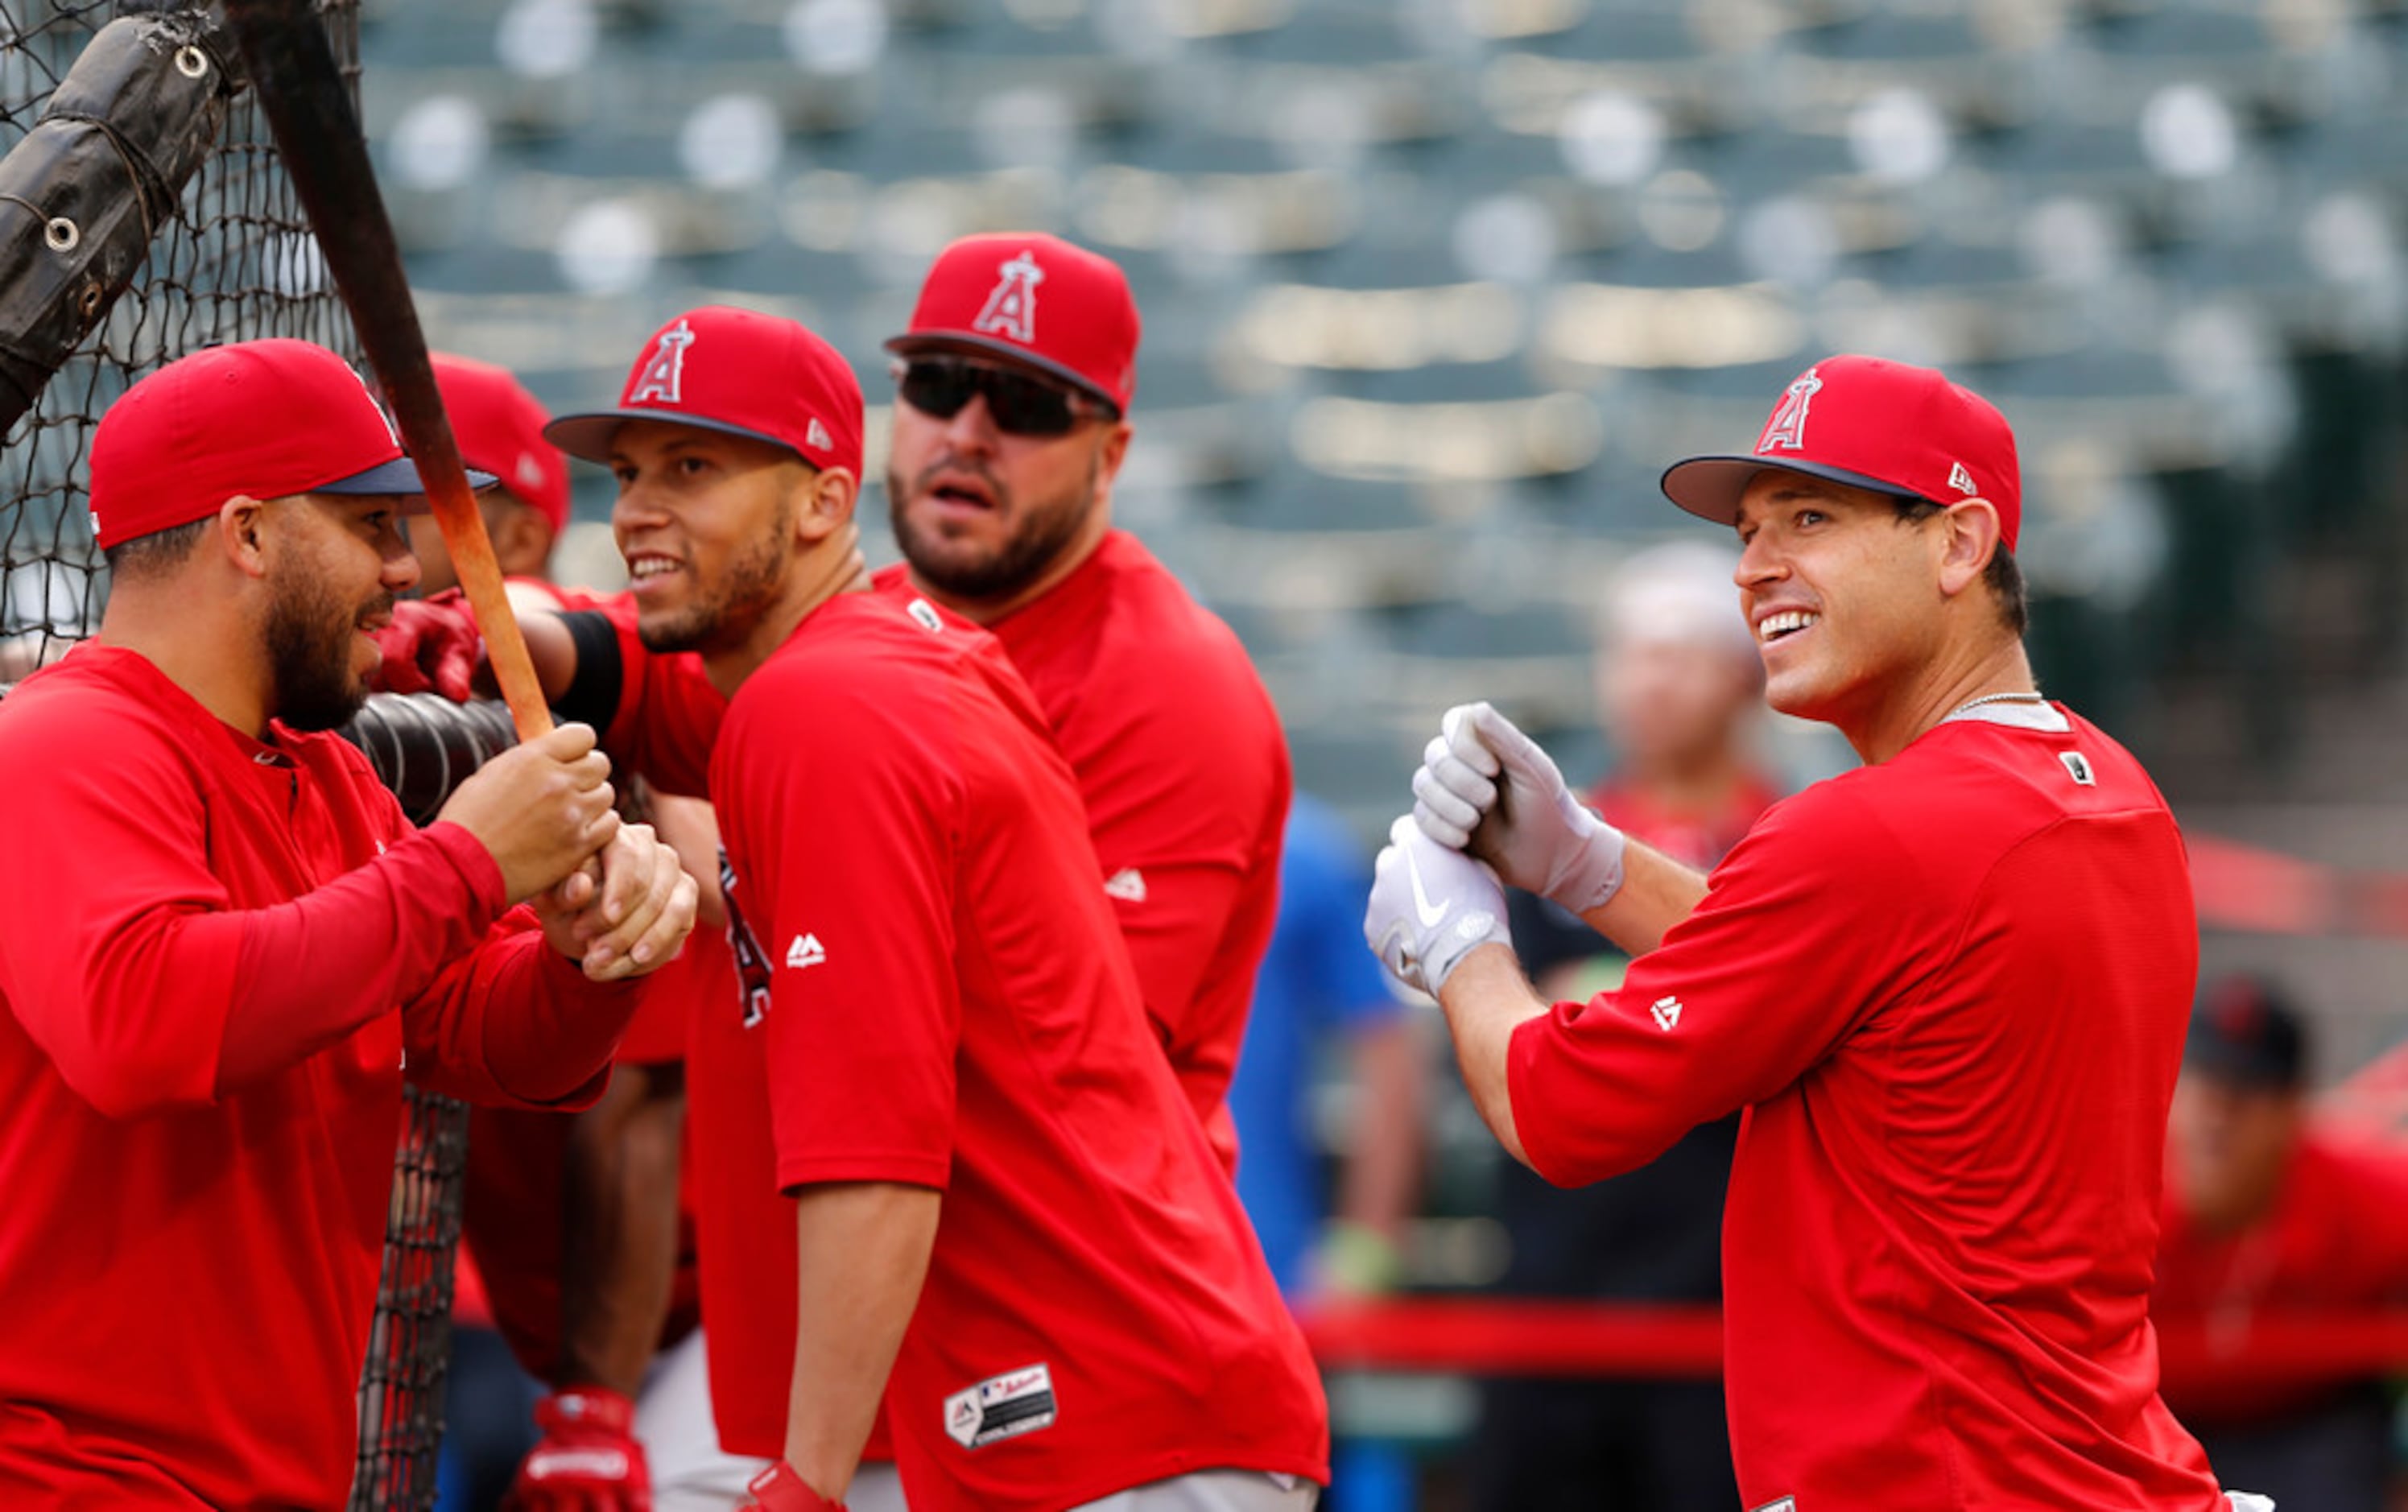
[(1871, 423), (267, 419), (499, 427), (1034, 299), (738, 371)]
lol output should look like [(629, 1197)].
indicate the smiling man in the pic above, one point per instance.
[(971, 1190), (1949, 988), (223, 947)]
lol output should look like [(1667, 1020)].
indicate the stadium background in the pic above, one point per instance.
[(1433, 288)]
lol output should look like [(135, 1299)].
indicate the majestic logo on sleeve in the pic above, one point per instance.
[(806, 951), (1012, 309), (1786, 430), (665, 374), (1001, 1406), (751, 964)]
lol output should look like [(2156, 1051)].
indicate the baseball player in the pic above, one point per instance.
[(1950, 988), (221, 947), (1013, 383), (937, 1016), (575, 1239)]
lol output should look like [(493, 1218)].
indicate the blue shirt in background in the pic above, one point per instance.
[(1318, 980)]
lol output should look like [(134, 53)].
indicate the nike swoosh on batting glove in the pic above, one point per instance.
[(1487, 788), (1430, 907)]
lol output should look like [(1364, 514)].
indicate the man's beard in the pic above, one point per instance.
[(310, 652), (1036, 541), (731, 610)]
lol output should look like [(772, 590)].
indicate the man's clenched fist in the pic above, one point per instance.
[(1430, 907)]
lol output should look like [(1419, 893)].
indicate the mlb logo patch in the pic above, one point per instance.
[(1001, 1406)]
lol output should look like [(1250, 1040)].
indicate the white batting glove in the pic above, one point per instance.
[(1486, 788), (1430, 907)]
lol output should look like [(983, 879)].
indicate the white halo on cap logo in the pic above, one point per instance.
[(1786, 430), (665, 375), (1012, 309)]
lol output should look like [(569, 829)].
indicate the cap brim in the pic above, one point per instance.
[(398, 477), (2241, 1068), (587, 434), (912, 342), (1711, 487)]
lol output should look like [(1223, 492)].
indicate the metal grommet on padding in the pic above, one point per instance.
[(192, 62), (61, 234)]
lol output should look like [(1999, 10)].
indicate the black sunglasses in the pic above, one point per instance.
[(1022, 405)]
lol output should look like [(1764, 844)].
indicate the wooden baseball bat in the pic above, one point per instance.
[(325, 154)]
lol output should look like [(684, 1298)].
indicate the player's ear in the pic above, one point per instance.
[(1970, 537), (241, 534), (1115, 451), (828, 499)]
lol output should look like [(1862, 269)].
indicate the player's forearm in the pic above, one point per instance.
[(1486, 998), (543, 1030), (620, 1220), (1377, 1185), (1657, 893), (552, 650), (861, 1252), (312, 970)]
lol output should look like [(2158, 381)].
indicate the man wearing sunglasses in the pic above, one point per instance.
[(1013, 388)]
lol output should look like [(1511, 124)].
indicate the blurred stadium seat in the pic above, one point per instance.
[(1433, 288)]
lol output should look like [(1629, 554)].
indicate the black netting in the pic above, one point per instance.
[(235, 262), (409, 1344)]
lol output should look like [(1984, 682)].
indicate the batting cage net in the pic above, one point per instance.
[(144, 215)]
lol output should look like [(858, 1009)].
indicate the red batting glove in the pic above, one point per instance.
[(781, 1488), (432, 645), (588, 1460)]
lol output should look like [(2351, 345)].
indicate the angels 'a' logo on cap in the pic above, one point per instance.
[(1012, 309), (665, 375), (1962, 481), (1786, 430)]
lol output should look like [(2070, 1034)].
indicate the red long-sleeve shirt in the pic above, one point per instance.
[(204, 939)]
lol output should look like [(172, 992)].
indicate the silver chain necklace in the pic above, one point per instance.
[(1994, 697)]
